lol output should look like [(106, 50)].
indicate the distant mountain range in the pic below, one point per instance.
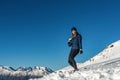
[(23, 73)]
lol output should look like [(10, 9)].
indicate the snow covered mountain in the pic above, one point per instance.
[(104, 66), (23, 73)]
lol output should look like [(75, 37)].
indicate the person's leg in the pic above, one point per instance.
[(69, 59), (72, 55), (75, 52)]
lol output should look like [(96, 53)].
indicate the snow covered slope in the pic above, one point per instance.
[(104, 66), (111, 52), (22, 73)]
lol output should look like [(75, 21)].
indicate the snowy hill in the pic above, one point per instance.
[(111, 52), (104, 66), (23, 73)]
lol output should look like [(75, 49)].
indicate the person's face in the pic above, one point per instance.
[(73, 31)]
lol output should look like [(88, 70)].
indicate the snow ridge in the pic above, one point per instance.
[(110, 52)]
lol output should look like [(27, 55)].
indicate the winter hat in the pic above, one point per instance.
[(73, 28)]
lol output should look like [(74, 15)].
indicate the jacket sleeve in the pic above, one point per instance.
[(80, 41)]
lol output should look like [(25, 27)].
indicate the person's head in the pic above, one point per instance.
[(74, 31)]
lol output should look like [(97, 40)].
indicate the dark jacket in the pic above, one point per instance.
[(76, 42)]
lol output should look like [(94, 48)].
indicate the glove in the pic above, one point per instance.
[(81, 51), (69, 39)]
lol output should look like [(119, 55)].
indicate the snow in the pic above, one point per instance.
[(104, 66)]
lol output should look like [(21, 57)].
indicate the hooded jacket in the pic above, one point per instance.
[(76, 42)]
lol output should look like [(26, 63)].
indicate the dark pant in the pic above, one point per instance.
[(72, 55)]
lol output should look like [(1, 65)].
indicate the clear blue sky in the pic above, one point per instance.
[(35, 32)]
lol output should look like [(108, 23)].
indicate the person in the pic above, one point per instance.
[(75, 42)]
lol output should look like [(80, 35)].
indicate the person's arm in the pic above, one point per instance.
[(80, 43), (70, 42)]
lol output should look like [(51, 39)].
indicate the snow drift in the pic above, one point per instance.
[(104, 66)]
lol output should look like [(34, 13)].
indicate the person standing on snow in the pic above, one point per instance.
[(75, 42)]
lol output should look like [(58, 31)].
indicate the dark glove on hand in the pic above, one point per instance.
[(81, 51)]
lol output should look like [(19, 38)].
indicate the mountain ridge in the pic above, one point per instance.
[(23, 73)]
